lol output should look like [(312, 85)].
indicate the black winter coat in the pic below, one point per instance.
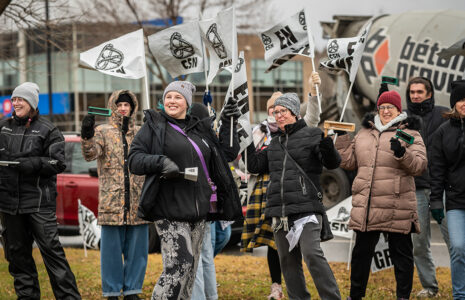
[(431, 119), (180, 199), (42, 141), (289, 193), (448, 165)]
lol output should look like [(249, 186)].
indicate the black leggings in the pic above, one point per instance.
[(273, 264)]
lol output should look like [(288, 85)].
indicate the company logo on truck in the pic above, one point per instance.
[(416, 58)]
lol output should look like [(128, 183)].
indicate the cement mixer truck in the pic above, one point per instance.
[(400, 45)]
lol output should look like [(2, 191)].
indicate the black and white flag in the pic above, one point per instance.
[(122, 57), (345, 53), (220, 38), (179, 49), (88, 228), (285, 40)]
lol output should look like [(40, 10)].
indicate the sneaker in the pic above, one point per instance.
[(276, 292), (426, 293)]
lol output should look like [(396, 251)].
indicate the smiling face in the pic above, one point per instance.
[(175, 105), (387, 112), (283, 116), (460, 107), (418, 93), (21, 106), (124, 108)]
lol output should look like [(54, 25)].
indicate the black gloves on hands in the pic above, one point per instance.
[(29, 165), (231, 110), (438, 214), (383, 88), (326, 144), (87, 127), (398, 149), (170, 169)]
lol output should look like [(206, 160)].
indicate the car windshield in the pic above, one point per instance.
[(75, 162)]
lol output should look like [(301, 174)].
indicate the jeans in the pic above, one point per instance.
[(205, 279), (220, 237), (422, 242), (456, 224), (123, 259)]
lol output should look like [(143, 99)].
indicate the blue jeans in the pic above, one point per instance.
[(123, 259), (205, 279), (456, 224), (422, 242), (220, 237)]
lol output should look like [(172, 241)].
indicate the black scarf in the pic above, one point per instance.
[(421, 108)]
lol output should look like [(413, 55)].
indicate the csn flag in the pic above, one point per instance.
[(346, 53), (241, 95), (122, 57), (179, 49), (285, 40), (220, 37), (88, 227), (339, 216)]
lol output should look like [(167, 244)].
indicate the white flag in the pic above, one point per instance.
[(285, 40), (346, 53), (220, 38), (241, 95), (339, 216), (122, 57), (179, 49), (381, 258), (88, 228)]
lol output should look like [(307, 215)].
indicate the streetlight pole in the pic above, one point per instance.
[(49, 62)]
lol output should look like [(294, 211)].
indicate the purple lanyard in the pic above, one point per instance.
[(199, 153)]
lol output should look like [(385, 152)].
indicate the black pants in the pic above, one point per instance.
[(20, 231), (273, 264), (401, 252)]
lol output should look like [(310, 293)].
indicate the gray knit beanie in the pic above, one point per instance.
[(29, 91), (185, 88), (290, 101)]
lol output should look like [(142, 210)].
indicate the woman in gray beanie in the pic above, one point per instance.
[(169, 142), (294, 159), (35, 149)]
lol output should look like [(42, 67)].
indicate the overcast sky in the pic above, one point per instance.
[(322, 10)]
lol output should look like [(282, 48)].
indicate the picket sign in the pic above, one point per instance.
[(88, 228)]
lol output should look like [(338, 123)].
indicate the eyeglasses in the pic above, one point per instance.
[(386, 107), (282, 112)]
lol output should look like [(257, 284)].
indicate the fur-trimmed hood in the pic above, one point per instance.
[(411, 122)]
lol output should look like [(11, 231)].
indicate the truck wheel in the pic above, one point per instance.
[(335, 186), (154, 239)]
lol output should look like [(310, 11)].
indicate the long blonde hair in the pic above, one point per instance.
[(451, 114)]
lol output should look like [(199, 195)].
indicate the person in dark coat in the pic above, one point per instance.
[(169, 142), (447, 174), (34, 150), (294, 199)]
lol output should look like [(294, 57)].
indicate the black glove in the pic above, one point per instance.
[(263, 128), (29, 165), (170, 169), (125, 124), (87, 127), (231, 110), (326, 144), (340, 132), (438, 214), (383, 88), (398, 149)]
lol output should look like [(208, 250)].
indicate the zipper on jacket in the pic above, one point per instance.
[(127, 183), (371, 184), (283, 205), (302, 184)]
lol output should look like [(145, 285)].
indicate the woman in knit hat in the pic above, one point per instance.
[(383, 191), (447, 175), (294, 159), (169, 142)]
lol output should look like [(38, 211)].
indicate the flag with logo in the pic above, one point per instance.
[(220, 38), (285, 40), (339, 216), (88, 228), (122, 57), (346, 53), (381, 259), (179, 49), (241, 95)]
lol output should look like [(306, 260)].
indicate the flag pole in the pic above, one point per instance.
[(344, 108), (234, 62), (316, 86), (146, 80), (312, 53), (205, 69)]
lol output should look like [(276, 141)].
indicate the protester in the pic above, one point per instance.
[(420, 102), (28, 194), (123, 233), (257, 229), (169, 142), (383, 191), (447, 174), (294, 159)]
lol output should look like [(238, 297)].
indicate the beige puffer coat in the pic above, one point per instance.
[(107, 147), (383, 192)]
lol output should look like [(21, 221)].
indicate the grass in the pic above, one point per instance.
[(240, 277)]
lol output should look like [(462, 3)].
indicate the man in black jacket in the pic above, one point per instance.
[(420, 102), (33, 151)]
